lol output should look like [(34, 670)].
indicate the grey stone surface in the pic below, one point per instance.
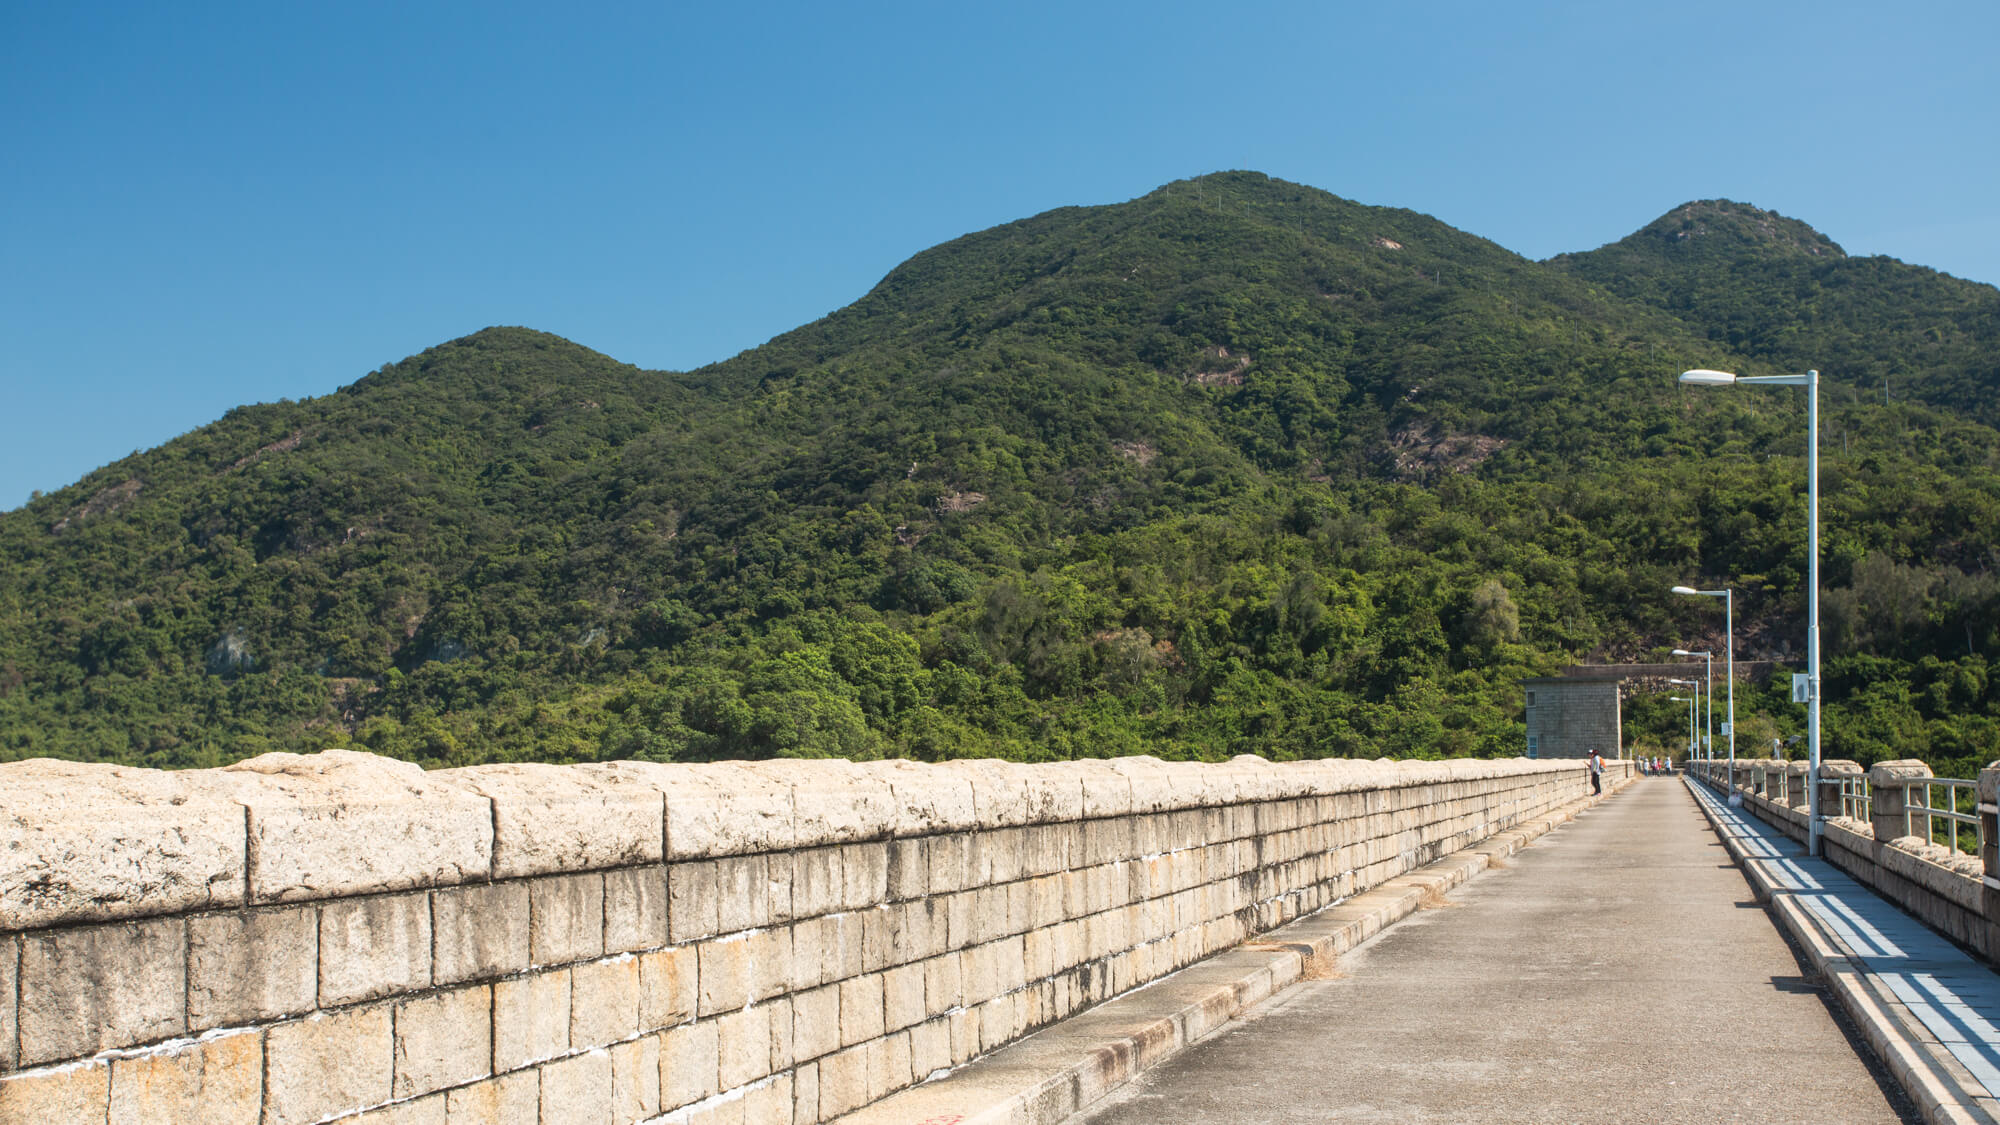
[(245, 966), (565, 918), (375, 946), (92, 842), (578, 1089), (344, 823), (78, 1095), (218, 1080), (530, 1019), (328, 1064), (1580, 983), (558, 818), (604, 1002), (479, 931), (444, 1039), (116, 985), (511, 1099), (635, 909)]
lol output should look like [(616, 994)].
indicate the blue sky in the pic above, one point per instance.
[(204, 205)]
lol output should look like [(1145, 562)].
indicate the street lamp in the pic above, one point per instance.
[(1708, 686), (1810, 381), (1729, 669), (1690, 700)]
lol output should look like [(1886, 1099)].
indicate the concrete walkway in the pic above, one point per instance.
[(1618, 971)]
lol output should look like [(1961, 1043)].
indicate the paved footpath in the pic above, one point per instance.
[(1619, 970)]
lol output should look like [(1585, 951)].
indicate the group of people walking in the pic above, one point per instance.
[(1656, 766)]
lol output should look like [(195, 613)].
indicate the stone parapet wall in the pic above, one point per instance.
[(345, 937)]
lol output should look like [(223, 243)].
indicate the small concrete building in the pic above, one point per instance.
[(1569, 716)]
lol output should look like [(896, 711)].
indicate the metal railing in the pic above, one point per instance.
[(1949, 810), (1939, 810)]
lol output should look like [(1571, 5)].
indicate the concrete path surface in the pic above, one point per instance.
[(1618, 971)]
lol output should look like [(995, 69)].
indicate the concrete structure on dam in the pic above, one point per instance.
[(342, 937)]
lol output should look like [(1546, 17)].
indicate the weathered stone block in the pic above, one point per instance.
[(604, 1002), (635, 909), (843, 1082), (925, 800), (724, 979), (864, 872), (635, 1079), (903, 997), (511, 1099), (249, 966), (770, 957), (218, 1080), (530, 1019), (834, 801), (816, 881), (565, 918), (783, 1050), (667, 993), (376, 946), (443, 1039), (909, 869), (943, 984), (950, 863), (551, 819), (888, 1065), (578, 1089), (115, 985), (689, 1064), (743, 1045), (930, 1049), (64, 1095), (343, 823), (742, 893), (82, 842), (422, 1111), (816, 1022), (328, 1064), (805, 1095), (860, 1009), (725, 808), (769, 1102), (693, 901), (479, 931)]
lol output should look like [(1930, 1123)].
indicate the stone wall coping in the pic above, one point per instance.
[(1839, 768), (1897, 772), (1989, 784), (95, 843)]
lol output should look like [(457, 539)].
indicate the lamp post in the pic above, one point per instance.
[(1690, 700), (1708, 687), (1810, 381), (1694, 708), (1729, 668)]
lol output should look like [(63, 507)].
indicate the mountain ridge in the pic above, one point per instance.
[(1236, 466)]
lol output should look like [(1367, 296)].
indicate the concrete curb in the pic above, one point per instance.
[(1066, 1067), (1943, 1089)]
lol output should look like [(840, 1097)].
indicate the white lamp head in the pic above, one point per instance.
[(1704, 376)]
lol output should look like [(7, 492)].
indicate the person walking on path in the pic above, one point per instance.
[(1596, 773)]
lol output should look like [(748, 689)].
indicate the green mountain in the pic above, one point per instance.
[(1775, 290), (1237, 466)]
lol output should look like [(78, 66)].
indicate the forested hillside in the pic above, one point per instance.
[(1238, 466)]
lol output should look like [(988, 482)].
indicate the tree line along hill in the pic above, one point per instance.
[(1235, 467)]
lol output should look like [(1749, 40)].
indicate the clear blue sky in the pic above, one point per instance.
[(203, 204)]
